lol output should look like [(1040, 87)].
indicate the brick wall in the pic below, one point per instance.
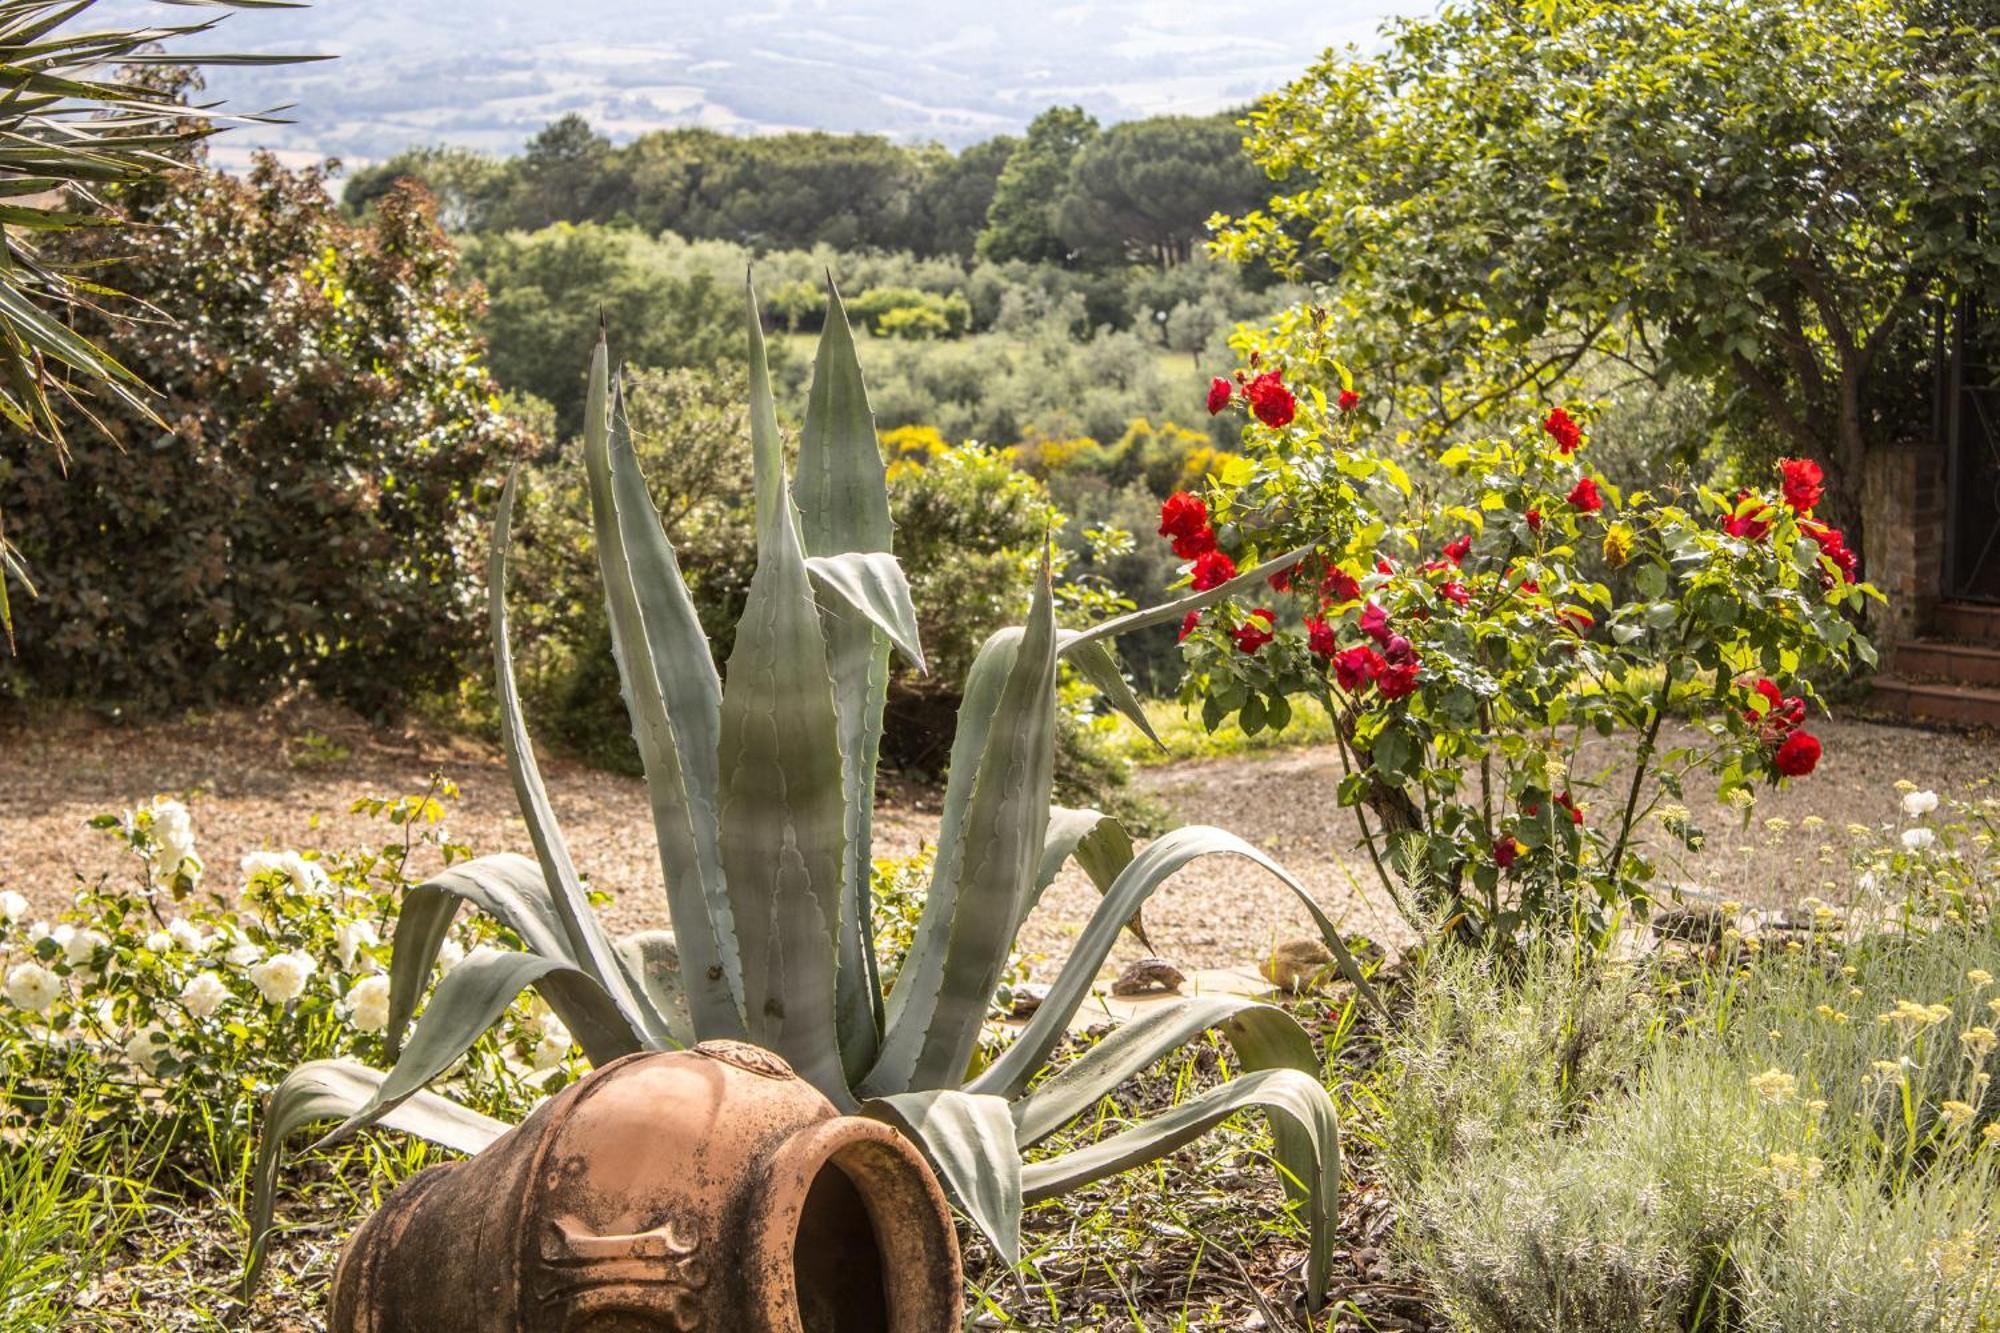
[(1904, 516)]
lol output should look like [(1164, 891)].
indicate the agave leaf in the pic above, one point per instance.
[(986, 863), (1101, 846), (872, 584), (842, 495), (970, 1140), (508, 887), (588, 947), (331, 1089), (1264, 1037), (1151, 868), (784, 793), (674, 699), (471, 999), (1093, 661), (1167, 612), (1308, 1149), (652, 960)]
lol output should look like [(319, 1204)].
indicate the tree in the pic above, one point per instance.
[(461, 180), (310, 512), (1021, 224), (1762, 194), (1146, 189), (69, 132), (956, 193), (567, 174)]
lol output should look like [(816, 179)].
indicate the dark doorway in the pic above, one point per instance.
[(1971, 422)]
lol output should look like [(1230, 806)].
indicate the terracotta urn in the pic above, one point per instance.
[(708, 1189)]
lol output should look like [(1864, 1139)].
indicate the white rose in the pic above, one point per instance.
[(450, 954), (243, 955), (281, 977), (1917, 804), (368, 1003), (204, 994), (351, 937), (188, 935), (306, 876), (173, 831), (33, 987), (1916, 839), (79, 945), (260, 863), (159, 942), (12, 907), (554, 1046), (38, 932), (145, 1048)]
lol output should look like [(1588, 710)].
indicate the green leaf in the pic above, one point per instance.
[(471, 999), (674, 699), (1172, 612), (1303, 1123), (871, 583), (969, 1139), (784, 791), (1021, 1061), (333, 1089), (652, 963), (1093, 661)]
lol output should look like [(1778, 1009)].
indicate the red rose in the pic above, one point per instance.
[(1219, 392), (1529, 585), (1398, 680), (1833, 545), (1782, 715), (1802, 483), (1282, 580), (1354, 668), (1456, 591), (1562, 428), (1271, 400), (1584, 496), (1212, 569), (1319, 637), (1580, 622), (1374, 623), (1254, 632), (1340, 585), (1195, 544), (1349, 400), (1575, 815), (1384, 565), (1397, 650), (1750, 521), (1188, 622), (1458, 550), (1505, 851), (1797, 755), (1534, 517), (1183, 515)]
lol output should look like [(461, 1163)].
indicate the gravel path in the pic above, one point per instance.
[(252, 782)]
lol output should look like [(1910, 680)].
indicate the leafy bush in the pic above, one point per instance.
[(905, 312), (304, 515), (1467, 636)]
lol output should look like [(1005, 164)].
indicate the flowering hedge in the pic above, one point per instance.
[(1468, 635)]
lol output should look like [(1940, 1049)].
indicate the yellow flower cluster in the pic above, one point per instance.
[(1774, 1085)]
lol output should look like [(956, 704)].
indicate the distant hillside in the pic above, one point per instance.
[(488, 73)]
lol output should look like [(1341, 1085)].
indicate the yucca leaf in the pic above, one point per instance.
[(842, 495), (1168, 612), (784, 792), (1151, 868), (1263, 1036), (471, 999), (652, 960), (674, 700), (1304, 1126), (508, 887), (335, 1089), (989, 848), (969, 1139), (588, 947)]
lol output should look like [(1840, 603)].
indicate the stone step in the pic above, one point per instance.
[(1930, 701), (1967, 622), (1952, 663)]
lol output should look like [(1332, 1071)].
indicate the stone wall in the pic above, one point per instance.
[(1903, 520)]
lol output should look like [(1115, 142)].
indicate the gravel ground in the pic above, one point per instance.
[(253, 782)]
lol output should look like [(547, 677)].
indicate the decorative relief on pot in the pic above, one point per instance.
[(743, 1055), (656, 1275)]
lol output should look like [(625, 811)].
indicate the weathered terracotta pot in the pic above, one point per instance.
[(704, 1189)]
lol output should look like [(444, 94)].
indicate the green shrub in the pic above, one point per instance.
[(305, 514)]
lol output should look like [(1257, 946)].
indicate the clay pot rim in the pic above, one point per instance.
[(895, 1183)]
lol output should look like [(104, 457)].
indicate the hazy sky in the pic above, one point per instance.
[(487, 73)]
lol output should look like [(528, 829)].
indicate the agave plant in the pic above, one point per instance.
[(761, 792)]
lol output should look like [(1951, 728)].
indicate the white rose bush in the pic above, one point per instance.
[(179, 996)]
